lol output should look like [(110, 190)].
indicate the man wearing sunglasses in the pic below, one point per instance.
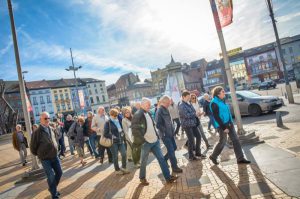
[(43, 144)]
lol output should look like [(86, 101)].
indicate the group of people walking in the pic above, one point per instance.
[(133, 133)]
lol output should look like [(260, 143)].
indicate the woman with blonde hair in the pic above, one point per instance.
[(194, 102), (126, 123), (114, 131)]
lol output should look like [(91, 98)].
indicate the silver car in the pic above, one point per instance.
[(254, 104)]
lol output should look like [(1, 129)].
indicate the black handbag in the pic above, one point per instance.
[(26, 142), (197, 121)]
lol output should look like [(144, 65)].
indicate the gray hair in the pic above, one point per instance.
[(44, 113), (69, 117), (145, 100), (164, 98), (100, 107), (206, 96)]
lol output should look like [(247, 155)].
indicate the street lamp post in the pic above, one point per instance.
[(287, 83), (23, 72), (73, 68), (21, 81)]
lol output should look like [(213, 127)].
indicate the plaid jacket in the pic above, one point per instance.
[(187, 115)]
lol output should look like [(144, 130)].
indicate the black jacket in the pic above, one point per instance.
[(164, 122), (110, 129), (139, 127), (42, 145), (67, 125), (206, 108)]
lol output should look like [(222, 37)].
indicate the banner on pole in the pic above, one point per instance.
[(28, 105), (81, 98), (223, 12)]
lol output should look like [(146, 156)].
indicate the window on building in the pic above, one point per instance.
[(42, 100), (96, 91), (34, 101), (55, 91), (66, 90), (67, 96), (43, 108), (58, 107), (292, 59), (92, 100), (97, 98), (56, 97), (100, 85), (63, 107), (103, 98), (283, 51), (95, 85), (62, 96), (90, 92), (48, 99), (60, 91), (291, 49), (101, 89), (36, 109)]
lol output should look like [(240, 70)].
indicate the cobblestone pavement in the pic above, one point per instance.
[(200, 179)]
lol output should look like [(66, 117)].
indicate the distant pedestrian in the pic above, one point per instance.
[(77, 135), (189, 121), (196, 106), (166, 130), (136, 107), (67, 124), (173, 109), (145, 136), (60, 137), (20, 143), (43, 145), (224, 122), (114, 131), (91, 133), (207, 111), (98, 123)]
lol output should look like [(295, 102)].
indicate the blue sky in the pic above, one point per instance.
[(112, 37)]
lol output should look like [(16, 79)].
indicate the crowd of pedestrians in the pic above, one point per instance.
[(132, 132)]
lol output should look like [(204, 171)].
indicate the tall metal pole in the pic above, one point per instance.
[(74, 69), (21, 81), (287, 84), (236, 108)]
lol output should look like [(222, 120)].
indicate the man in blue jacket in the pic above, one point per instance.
[(166, 131)]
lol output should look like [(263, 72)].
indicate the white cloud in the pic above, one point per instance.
[(288, 17)]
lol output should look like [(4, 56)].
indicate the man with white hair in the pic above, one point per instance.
[(136, 107), (98, 123), (145, 135), (43, 144), (166, 130), (207, 111)]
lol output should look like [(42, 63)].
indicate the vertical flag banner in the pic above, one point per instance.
[(81, 99), (29, 107), (225, 12)]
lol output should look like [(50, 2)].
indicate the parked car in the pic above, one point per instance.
[(242, 86), (253, 86), (267, 84), (254, 104)]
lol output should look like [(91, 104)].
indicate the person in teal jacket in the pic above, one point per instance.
[(224, 123)]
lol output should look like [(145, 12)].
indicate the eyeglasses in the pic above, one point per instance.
[(47, 118)]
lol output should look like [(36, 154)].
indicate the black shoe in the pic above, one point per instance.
[(193, 158), (172, 179), (57, 193), (201, 156), (24, 164), (209, 146), (177, 170), (213, 160), (243, 161), (101, 160), (144, 182)]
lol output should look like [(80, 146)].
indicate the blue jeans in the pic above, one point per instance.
[(62, 146), (53, 172), (155, 149), (171, 146), (87, 142), (93, 139), (177, 121), (115, 149), (71, 146)]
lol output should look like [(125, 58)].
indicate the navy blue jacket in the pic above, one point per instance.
[(164, 122), (111, 129)]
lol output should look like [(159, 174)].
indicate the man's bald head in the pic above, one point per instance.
[(45, 119)]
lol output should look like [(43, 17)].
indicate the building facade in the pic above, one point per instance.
[(96, 90), (193, 75), (238, 68), (262, 64), (215, 75)]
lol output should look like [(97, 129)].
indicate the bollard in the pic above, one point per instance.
[(279, 119), (285, 95)]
